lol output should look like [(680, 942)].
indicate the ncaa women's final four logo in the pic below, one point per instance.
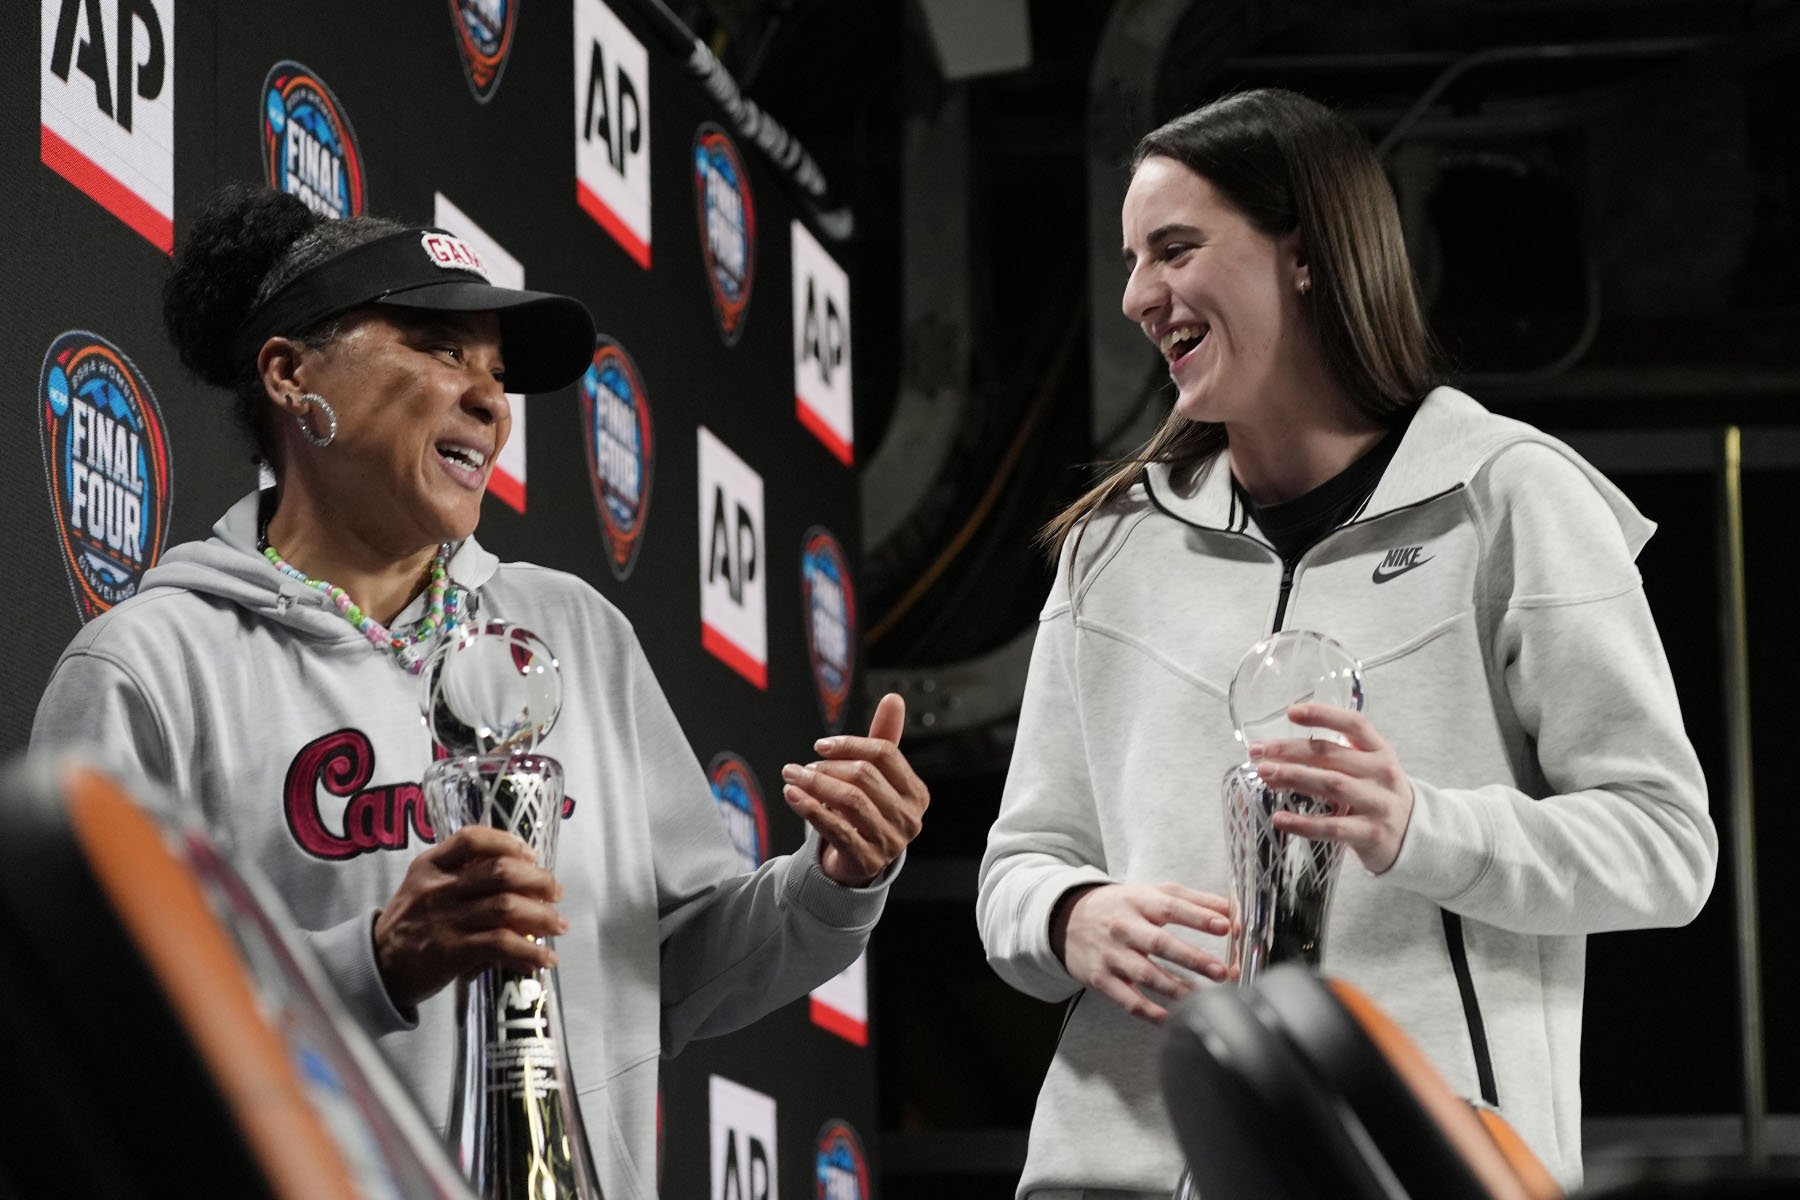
[(727, 227), (830, 622), (309, 149), (615, 415), (840, 1167), (741, 808), (106, 460), (484, 34)]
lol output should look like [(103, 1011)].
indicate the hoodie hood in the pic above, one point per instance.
[(228, 566), (1450, 441)]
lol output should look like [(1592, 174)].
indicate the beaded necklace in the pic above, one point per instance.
[(442, 608)]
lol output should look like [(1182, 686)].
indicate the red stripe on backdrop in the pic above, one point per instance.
[(734, 657), (107, 191), (846, 1027), (823, 432), (505, 488), (609, 220)]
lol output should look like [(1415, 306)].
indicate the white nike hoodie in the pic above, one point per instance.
[(1490, 591)]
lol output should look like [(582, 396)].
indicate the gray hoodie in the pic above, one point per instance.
[(1490, 591), (251, 698)]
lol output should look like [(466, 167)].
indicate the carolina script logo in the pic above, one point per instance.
[(337, 768)]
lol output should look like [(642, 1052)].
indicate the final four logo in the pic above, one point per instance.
[(106, 460), (741, 808), (615, 418), (484, 34), (309, 149), (841, 1168), (727, 227), (830, 622)]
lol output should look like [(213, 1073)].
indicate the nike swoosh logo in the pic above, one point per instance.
[(1381, 576)]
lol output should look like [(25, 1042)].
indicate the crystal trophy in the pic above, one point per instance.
[(1280, 883), (489, 695)]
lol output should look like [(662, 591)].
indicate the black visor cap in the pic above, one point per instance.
[(547, 340)]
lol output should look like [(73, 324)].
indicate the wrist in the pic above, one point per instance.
[(384, 970), (1059, 919)]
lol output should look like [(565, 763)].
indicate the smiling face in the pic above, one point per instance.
[(1218, 297), (422, 415)]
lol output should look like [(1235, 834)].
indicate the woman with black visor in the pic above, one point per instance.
[(267, 676)]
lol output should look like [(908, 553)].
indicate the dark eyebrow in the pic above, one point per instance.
[(428, 323), (431, 322), (442, 325), (1160, 234)]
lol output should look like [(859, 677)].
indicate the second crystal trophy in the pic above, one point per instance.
[(1281, 884), (490, 695)]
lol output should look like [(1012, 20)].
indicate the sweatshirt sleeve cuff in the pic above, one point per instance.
[(347, 951), (1442, 855), (1034, 967), (832, 903)]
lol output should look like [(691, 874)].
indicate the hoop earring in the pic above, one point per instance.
[(319, 402)]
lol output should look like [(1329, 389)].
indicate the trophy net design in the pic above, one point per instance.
[(489, 695), (1281, 884)]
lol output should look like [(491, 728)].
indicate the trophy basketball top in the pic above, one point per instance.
[(1291, 667), (491, 688)]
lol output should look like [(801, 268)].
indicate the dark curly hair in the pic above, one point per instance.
[(243, 245)]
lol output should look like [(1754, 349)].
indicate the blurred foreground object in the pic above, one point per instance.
[(1300, 1087), (173, 1036)]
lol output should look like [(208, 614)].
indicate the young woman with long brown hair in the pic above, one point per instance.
[(1521, 778)]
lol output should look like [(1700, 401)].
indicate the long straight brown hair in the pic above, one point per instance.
[(1289, 163)]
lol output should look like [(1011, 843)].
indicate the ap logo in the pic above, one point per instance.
[(733, 602), (743, 1141), (107, 107), (612, 128), (822, 345)]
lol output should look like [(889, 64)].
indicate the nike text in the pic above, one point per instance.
[(1399, 561)]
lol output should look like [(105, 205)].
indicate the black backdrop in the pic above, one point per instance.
[(509, 163)]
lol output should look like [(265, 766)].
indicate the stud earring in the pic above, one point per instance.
[(1305, 284)]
